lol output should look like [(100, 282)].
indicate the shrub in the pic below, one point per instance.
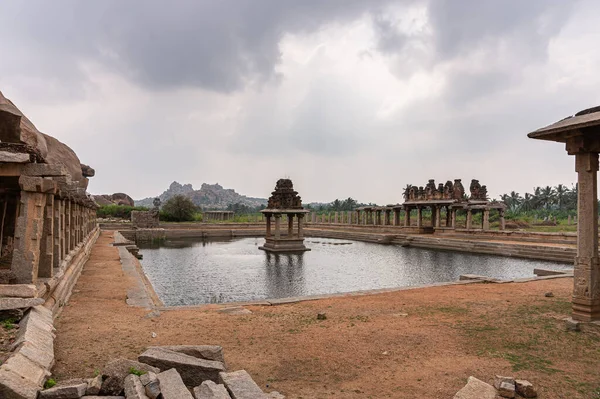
[(178, 209), (118, 211)]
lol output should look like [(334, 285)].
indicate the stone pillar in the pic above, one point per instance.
[(419, 217), (586, 289), (469, 219), (28, 234), (397, 217), (313, 217), (268, 225), (277, 226), (486, 219), (290, 225), (438, 217), (57, 234), (387, 218), (448, 217), (336, 218), (453, 217), (407, 217), (502, 221), (300, 225), (46, 265), (349, 215)]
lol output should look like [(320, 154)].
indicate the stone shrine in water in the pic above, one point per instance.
[(285, 201)]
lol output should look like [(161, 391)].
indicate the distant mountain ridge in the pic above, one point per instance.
[(210, 196)]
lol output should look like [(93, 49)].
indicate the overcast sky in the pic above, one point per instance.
[(347, 98)]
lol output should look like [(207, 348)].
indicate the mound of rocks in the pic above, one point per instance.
[(167, 372), (504, 387)]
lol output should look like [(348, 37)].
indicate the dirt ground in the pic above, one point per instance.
[(421, 343)]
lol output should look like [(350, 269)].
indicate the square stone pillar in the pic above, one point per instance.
[(448, 217), (419, 217), (502, 221), (486, 219), (46, 265), (586, 289), (438, 217), (396, 217), (313, 217), (335, 218), (277, 226), (349, 215), (407, 217), (290, 232), (58, 239), (300, 225), (268, 225), (28, 235), (387, 219), (453, 217), (469, 219)]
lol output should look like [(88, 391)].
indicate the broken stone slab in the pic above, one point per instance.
[(240, 385), (172, 386), (19, 303), (13, 386), (208, 352), (31, 351), (193, 370), (152, 389), (133, 387), (147, 378), (114, 374), (94, 385), (18, 290), (476, 389), (102, 397), (25, 368), (73, 389), (525, 389), (210, 390)]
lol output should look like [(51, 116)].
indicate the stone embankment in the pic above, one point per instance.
[(170, 372)]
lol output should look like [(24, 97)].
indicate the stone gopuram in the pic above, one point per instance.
[(46, 214), (285, 201), (581, 136)]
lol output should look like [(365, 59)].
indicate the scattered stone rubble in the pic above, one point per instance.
[(504, 387), (167, 372)]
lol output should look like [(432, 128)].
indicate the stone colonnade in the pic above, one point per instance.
[(290, 225), (391, 216), (45, 217), (217, 215)]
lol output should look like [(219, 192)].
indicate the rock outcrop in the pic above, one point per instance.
[(114, 199)]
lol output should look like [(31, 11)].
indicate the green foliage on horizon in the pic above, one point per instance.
[(178, 209), (118, 211), (548, 201)]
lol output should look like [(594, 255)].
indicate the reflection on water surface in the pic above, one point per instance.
[(189, 272)]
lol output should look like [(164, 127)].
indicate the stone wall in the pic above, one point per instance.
[(144, 219)]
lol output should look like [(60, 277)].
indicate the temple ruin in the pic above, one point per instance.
[(581, 136), (285, 201), (45, 210)]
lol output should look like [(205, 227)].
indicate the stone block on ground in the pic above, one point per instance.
[(476, 389), (147, 378), (172, 386), (506, 389), (210, 390), (499, 379), (19, 303), (525, 389), (275, 395), (25, 368), (73, 389), (103, 397), (208, 352), (193, 370), (13, 386), (133, 387), (114, 374), (94, 385), (241, 385)]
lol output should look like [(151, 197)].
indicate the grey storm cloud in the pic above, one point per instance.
[(216, 45)]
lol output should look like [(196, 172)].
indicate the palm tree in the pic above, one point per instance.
[(547, 197), (561, 194)]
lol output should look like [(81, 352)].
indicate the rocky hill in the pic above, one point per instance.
[(210, 196)]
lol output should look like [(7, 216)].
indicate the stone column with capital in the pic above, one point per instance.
[(268, 217), (438, 219), (502, 221), (586, 289), (419, 217), (396, 217), (407, 217), (453, 217), (469, 219)]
